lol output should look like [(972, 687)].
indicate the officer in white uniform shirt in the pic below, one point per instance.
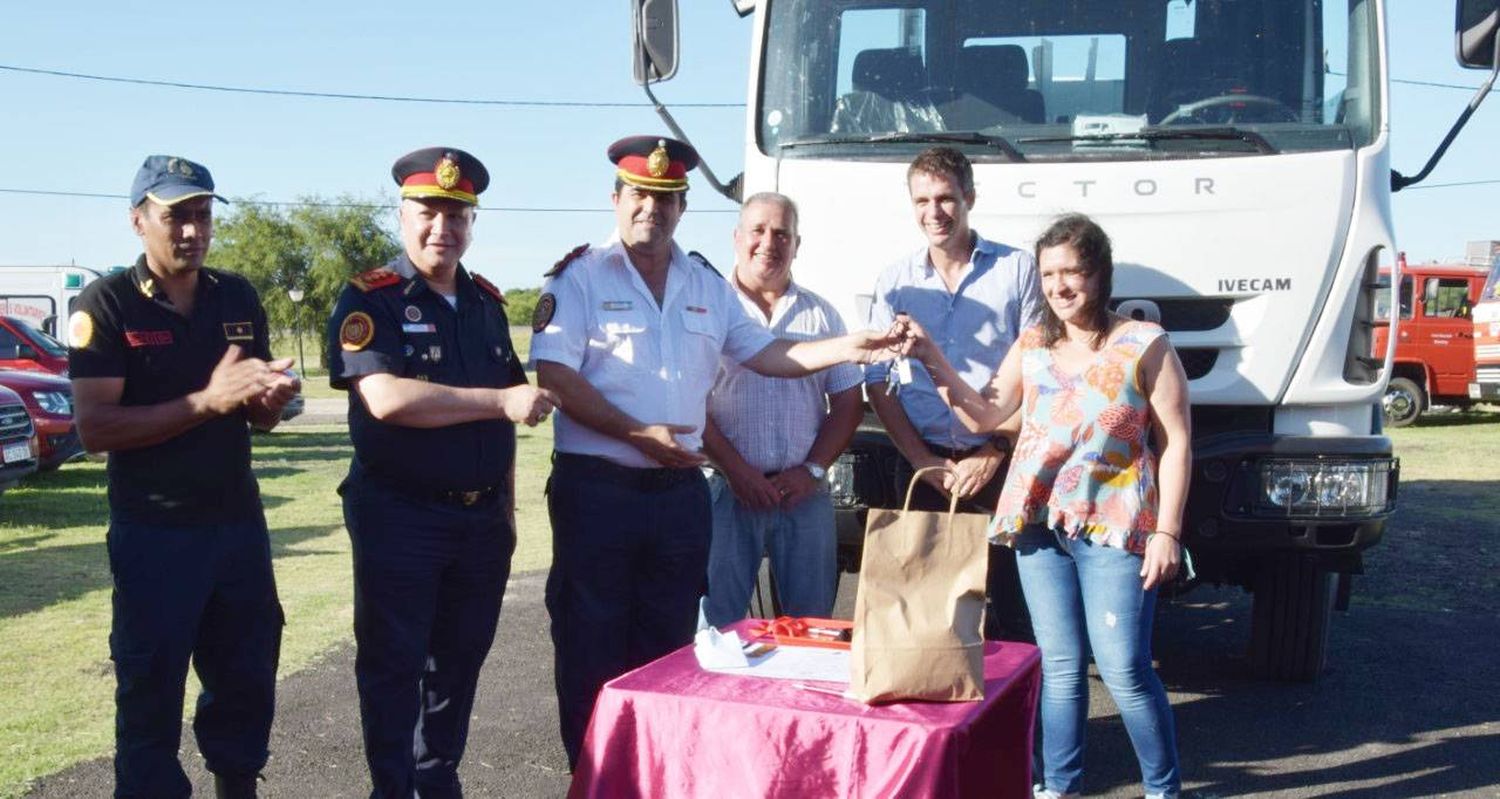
[(629, 336)]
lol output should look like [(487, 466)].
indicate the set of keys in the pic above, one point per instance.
[(898, 376)]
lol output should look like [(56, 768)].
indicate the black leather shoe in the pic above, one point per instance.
[(234, 786)]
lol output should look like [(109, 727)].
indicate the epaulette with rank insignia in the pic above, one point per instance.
[(488, 287), (562, 264), (377, 278), (698, 256)]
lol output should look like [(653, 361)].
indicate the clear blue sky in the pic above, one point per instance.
[(70, 135)]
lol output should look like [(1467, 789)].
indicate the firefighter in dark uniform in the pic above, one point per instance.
[(435, 390), (171, 365)]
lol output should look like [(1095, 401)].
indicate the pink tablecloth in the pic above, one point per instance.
[(671, 729)]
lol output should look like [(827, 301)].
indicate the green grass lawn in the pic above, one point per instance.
[(56, 679)]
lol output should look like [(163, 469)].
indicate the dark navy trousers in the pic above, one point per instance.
[(429, 577), (203, 594), (629, 563)]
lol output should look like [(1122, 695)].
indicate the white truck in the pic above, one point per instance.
[(43, 296), (1238, 153)]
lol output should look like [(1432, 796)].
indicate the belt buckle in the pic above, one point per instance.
[(469, 497)]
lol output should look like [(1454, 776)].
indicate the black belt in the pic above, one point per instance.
[(640, 479), (442, 496)]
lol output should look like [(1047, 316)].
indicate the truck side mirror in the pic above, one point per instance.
[(655, 39), (1475, 33)]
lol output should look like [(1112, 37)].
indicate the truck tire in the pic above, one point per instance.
[(1290, 618), (1403, 402)]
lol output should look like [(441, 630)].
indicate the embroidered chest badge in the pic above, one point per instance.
[(239, 331)]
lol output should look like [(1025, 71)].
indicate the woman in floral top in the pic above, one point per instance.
[(1094, 499)]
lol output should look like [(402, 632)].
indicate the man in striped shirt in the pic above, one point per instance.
[(773, 439)]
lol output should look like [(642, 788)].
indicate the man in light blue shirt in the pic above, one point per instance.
[(973, 296)]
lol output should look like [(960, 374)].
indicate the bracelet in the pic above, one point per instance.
[(1155, 533)]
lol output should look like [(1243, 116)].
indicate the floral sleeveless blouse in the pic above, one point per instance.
[(1082, 462)]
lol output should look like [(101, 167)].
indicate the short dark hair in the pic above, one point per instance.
[(620, 184), (944, 162), (1091, 244)]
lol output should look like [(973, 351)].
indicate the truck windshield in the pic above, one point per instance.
[(1069, 79)]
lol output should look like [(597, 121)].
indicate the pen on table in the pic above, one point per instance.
[(818, 689)]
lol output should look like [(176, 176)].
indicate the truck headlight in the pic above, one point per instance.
[(1325, 487), (57, 403)]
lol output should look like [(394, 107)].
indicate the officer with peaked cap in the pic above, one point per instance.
[(629, 336), (170, 360), (423, 347)]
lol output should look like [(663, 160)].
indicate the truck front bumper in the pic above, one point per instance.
[(1484, 392)]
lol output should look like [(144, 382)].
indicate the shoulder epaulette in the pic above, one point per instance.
[(377, 278), (487, 287), (698, 256), (562, 264)]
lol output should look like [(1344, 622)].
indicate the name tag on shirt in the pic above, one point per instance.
[(617, 305), (423, 327), (148, 338), (698, 309)]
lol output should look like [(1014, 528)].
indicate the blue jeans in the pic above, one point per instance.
[(1084, 595), (803, 553)]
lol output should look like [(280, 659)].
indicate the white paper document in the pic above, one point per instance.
[(795, 663)]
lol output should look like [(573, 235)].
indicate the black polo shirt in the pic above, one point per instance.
[(414, 332), (202, 475)]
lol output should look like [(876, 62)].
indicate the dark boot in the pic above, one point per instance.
[(234, 786)]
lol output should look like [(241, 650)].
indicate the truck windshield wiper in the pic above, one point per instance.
[(1168, 134), (931, 137)]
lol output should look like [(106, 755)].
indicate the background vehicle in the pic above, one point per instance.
[(49, 401), (24, 347), (18, 444), (1238, 154), (1486, 385), (43, 296), (1435, 342)]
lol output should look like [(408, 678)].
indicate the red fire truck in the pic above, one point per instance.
[(1434, 339)]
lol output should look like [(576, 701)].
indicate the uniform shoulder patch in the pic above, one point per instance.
[(487, 287), (703, 262), (546, 306), (80, 329), (356, 331), (563, 262), (377, 278)]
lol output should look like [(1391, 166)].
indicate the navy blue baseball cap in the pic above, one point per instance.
[(167, 179)]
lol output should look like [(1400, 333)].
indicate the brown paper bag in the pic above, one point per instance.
[(920, 606)]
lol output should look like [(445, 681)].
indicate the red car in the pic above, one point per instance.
[(28, 349), (49, 400)]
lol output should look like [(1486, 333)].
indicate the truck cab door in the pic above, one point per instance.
[(1446, 334)]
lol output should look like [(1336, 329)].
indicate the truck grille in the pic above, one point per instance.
[(1197, 362), (15, 422), (1487, 351), (1491, 375), (1195, 313)]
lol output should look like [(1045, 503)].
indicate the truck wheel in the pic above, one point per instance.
[(1403, 402), (1289, 619)]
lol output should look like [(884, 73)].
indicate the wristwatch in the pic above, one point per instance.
[(818, 472)]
